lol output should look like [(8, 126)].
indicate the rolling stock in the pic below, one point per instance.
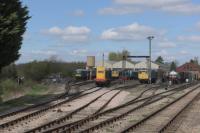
[(103, 76), (115, 74), (143, 76), (129, 75), (83, 74)]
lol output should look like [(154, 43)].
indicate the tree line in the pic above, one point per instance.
[(38, 70)]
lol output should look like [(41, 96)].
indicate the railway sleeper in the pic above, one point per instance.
[(154, 113), (97, 117), (119, 117)]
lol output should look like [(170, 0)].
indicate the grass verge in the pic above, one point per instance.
[(18, 96)]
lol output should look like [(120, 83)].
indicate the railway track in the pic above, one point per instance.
[(151, 122), (67, 124), (89, 125), (56, 123), (165, 127), (75, 126), (120, 116), (24, 120), (9, 114), (20, 116), (185, 120)]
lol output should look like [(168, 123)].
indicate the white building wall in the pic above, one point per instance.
[(144, 66), (119, 64), (107, 64)]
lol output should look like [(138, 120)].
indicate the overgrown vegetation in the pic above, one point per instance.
[(10, 89), (33, 73), (39, 70)]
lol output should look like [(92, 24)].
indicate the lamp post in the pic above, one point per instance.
[(150, 38), (103, 60)]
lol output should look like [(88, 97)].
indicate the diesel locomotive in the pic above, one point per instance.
[(103, 76)]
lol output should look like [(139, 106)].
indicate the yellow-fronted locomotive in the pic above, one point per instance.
[(115, 74), (103, 76), (143, 76)]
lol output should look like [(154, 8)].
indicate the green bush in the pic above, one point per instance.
[(9, 72), (8, 87), (28, 83), (37, 89)]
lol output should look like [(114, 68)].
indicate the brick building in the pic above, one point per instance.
[(188, 67), (191, 67)]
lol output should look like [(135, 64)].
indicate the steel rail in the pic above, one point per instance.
[(9, 114), (108, 121), (68, 116), (33, 114), (164, 127), (76, 124), (156, 112)]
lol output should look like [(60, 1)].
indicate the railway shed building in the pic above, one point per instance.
[(143, 65), (189, 67), (106, 64), (128, 65)]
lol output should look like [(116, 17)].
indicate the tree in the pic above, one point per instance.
[(112, 56), (191, 61), (9, 72), (173, 66), (159, 60), (125, 53), (196, 60), (13, 20), (117, 56)]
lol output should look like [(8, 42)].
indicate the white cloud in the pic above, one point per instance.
[(166, 44), (155, 3), (193, 38), (183, 52), (131, 32), (171, 6), (162, 53), (55, 31), (78, 13), (46, 53), (79, 52), (119, 10), (167, 56), (70, 33), (187, 8)]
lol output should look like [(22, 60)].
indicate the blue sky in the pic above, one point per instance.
[(73, 29)]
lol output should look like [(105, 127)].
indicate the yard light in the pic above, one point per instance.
[(150, 38)]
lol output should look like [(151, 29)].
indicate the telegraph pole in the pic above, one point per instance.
[(150, 38)]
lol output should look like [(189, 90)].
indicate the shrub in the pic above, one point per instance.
[(39, 70), (9, 87), (9, 72)]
